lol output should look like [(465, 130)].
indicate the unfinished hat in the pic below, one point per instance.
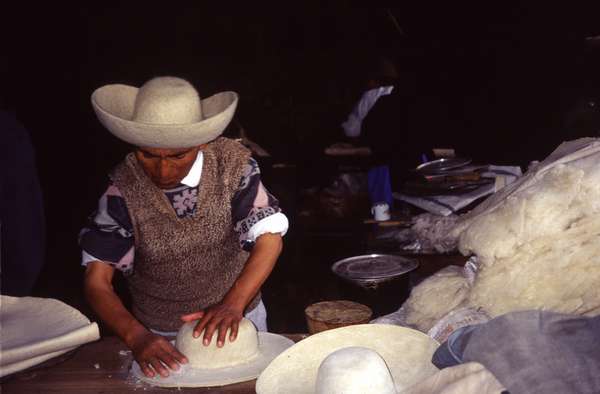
[(166, 112), (238, 361), (354, 370), (406, 352)]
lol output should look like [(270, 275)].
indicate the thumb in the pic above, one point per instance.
[(192, 316)]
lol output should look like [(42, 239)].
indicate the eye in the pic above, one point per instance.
[(181, 156), (147, 155)]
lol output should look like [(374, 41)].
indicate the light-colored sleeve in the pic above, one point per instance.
[(275, 224), (255, 211)]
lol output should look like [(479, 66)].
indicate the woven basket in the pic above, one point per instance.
[(333, 314)]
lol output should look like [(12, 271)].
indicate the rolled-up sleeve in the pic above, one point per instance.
[(255, 211)]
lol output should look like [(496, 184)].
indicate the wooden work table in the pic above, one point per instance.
[(100, 367)]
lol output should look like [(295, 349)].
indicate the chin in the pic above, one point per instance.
[(166, 185)]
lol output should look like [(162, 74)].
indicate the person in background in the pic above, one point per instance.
[(403, 127), (22, 220), (185, 218), (380, 82)]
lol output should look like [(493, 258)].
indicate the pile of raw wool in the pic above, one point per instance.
[(537, 244)]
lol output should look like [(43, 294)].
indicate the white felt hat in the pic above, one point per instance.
[(354, 370), (238, 361), (406, 352), (166, 112)]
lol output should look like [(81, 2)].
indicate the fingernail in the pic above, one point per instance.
[(206, 342), (220, 344)]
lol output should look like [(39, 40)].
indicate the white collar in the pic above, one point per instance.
[(192, 179)]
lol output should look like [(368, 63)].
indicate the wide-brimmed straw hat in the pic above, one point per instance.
[(406, 352), (238, 361), (166, 112)]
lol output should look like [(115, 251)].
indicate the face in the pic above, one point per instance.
[(167, 167)]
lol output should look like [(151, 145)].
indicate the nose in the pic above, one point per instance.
[(163, 170)]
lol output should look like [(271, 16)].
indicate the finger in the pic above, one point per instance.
[(223, 327), (234, 330), (168, 360), (209, 330), (192, 316), (176, 354), (202, 324), (159, 367), (146, 370)]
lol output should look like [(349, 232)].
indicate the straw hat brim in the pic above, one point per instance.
[(114, 106), (269, 346), (406, 352)]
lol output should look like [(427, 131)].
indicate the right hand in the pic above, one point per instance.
[(153, 352)]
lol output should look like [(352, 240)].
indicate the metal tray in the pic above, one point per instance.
[(441, 165), (373, 267), (444, 188)]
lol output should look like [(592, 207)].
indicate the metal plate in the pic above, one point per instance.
[(441, 165), (444, 188), (373, 267)]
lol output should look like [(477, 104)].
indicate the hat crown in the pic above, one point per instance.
[(167, 100), (242, 350), (354, 370)]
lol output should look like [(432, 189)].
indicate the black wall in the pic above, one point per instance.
[(508, 74)]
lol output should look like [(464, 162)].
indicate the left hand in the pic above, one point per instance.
[(219, 317)]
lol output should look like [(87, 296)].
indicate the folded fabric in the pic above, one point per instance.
[(447, 204), (469, 378), (531, 351), (450, 352), (37, 329)]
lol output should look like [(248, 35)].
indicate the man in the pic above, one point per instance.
[(185, 203)]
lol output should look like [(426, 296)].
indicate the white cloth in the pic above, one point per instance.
[(447, 204), (353, 124), (258, 316)]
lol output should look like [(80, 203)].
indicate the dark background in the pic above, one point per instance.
[(509, 74)]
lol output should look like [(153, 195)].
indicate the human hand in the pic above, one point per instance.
[(219, 317), (153, 352)]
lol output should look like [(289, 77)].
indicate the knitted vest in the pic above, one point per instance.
[(183, 265)]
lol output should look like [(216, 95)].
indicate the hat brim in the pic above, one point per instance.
[(114, 106), (406, 352), (269, 346)]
